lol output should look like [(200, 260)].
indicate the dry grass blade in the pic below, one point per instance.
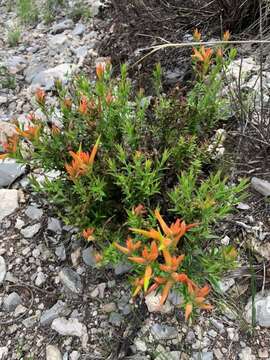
[(244, 271), (167, 45)]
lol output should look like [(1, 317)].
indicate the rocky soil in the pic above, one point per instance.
[(54, 303)]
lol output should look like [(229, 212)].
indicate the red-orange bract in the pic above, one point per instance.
[(219, 53), (82, 162), (88, 234), (10, 147), (40, 96), (197, 35), (67, 103), (31, 133), (173, 233), (147, 258), (203, 54), (226, 35), (83, 108), (198, 299), (100, 69), (109, 98), (131, 246)]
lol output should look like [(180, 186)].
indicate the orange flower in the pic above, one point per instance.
[(131, 246), (226, 35), (152, 233), (197, 35), (144, 281), (172, 263), (88, 234), (55, 130), (147, 276), (207, 54), (203, 55), (146, 259), (139, 285), (68, 103), (152, 254), (219, 53), (183, 278), (176, 230), (173, 233), (83, 108), (147, 256), (4, 156), (109, 98), (202, 292), (171, 237), (198, 298), (32, 133), (158, 281), (188, 311), (74, 170), (10, 147), (197, 55), (165, 291), (139, 210), (82, 162), (100, 69), (40, 96), (168, 283), (92, 105)]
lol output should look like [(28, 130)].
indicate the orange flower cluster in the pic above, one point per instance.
[(173, 233), (82, 162), (86, 105), (87, 234), (203, 56), (83, 108), (197, 35), (67, 103), (226, 36), (10, 147), (147, 257), (109, 98), (40, 96), (131, 247), (31, 133), (100, 70), (198, 299), (55, 130)]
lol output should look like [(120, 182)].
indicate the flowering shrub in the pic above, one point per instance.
[(120, 155), (160, 265), (205, 104)]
